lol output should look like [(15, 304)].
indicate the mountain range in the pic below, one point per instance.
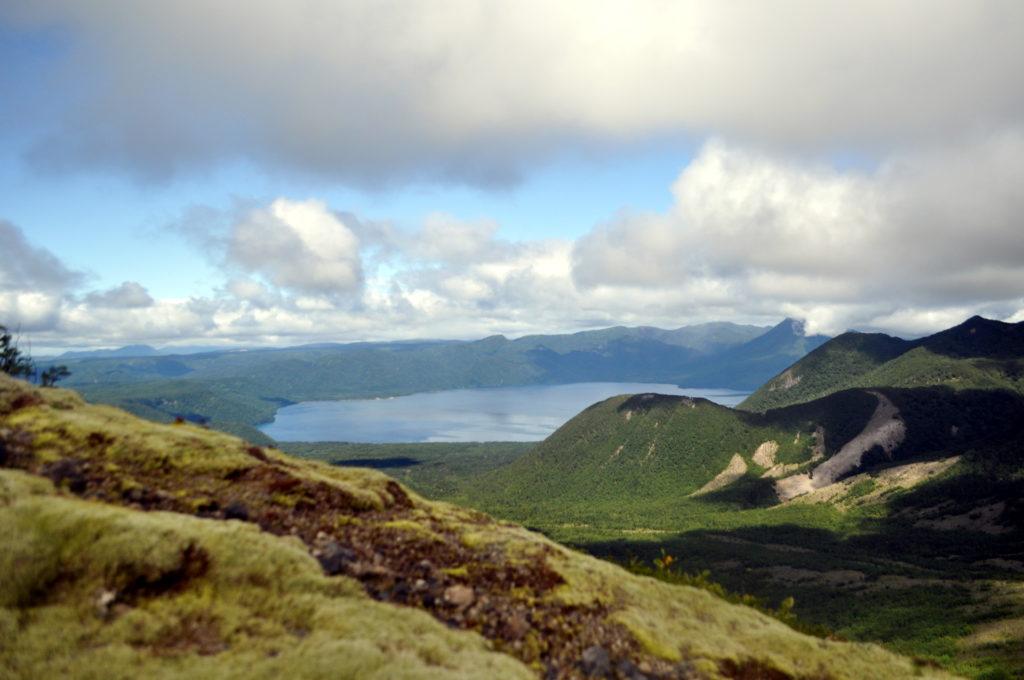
[(236, 390), (979, 353)]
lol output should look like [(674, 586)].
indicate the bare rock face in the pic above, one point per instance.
[(736, 468), (764, 455)]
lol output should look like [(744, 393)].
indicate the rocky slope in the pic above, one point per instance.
[(134, 549)]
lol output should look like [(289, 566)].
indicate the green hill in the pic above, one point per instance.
[(979, 353), (860, 504), (133, 549), (650, 460)]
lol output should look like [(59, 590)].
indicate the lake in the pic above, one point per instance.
[(527, 413)]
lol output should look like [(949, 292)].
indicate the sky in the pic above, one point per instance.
[(267, 173)]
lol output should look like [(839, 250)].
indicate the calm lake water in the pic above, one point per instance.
[(491, 414)]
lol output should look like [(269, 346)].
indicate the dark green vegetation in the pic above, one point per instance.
[(917, 542), (134, 549), (979, 353), (436, 470), (637, 461), (235, 391)]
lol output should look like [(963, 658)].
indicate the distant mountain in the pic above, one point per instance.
[(235, 390), (979, 353), (126, 351), (748, 365), (133, 351), (706, 338)]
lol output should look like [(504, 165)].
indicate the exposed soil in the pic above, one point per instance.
[(736, 468), (764, 455), (885, 429)]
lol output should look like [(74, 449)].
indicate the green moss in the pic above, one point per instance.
[(420, 529), (261, 608)]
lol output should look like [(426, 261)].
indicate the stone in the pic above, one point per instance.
[(459, 595), (334, 557), (236, 510), (595, 662), (629, 671)]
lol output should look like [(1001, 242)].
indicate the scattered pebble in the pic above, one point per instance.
[(459, 595)]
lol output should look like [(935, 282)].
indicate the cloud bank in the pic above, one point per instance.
[(919, 230), (478, 91)]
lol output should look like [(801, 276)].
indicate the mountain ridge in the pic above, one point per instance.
[(976, 353), (236, 391)]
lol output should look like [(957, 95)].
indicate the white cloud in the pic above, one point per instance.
[(922, 233), (447, 239), (128, 295), (32, 282), (26, 267), (298, 245), (29, 311), (476, 91), (751, 237)]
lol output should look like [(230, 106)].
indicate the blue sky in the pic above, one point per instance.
[(253, 174)]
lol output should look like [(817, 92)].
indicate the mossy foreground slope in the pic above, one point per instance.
[(134, 549)]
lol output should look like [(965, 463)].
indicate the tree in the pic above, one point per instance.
[(12, 360), (50, 376), (16, 363)]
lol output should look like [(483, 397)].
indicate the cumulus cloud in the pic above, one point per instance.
[(298, 245), (32, 281), (128, 295), (28, 268), (931, 230), (446, 239), (915, 244), (372, 92)]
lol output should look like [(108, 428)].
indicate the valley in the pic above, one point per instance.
[(887, 509), (891, 513)]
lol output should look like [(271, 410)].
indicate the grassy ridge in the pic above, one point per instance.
[(825, 370)]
